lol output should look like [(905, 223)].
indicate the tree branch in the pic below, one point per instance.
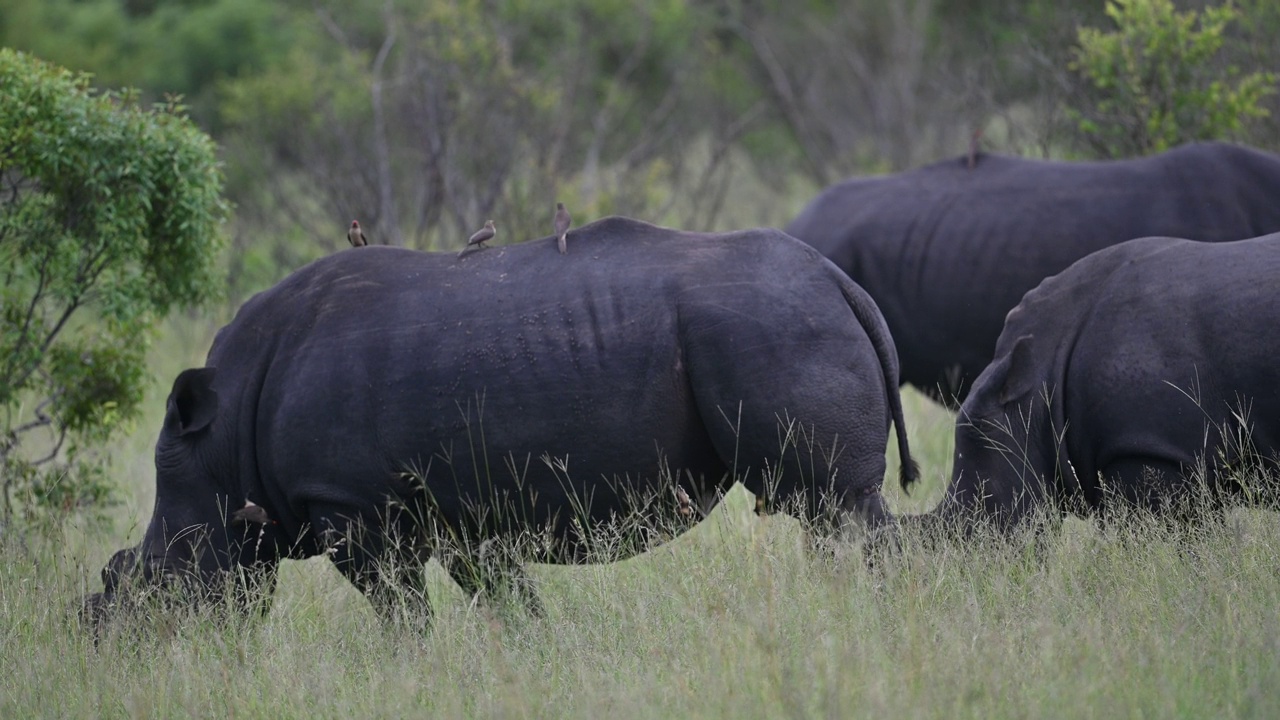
[(786, 101), (42, 420), (386, 198), (24, 335), (600, 123), (57, 447), (334, 30), (725, 142)]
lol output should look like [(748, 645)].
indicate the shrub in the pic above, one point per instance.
[(109, 219), (1156, 81)]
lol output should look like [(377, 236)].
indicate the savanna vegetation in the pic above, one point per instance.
[(110, 218), (422, 118), (735, 618)]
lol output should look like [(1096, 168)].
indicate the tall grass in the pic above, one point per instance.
[(735, 618)]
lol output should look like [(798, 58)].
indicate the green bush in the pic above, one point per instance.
[(1156, 81), (109, 218)]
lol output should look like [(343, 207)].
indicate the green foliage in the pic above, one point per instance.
[(1155, 81), (109, 219), (160, 46)]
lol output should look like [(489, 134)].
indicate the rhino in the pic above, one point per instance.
[(947, 250), (381, 399), (1143, 376)]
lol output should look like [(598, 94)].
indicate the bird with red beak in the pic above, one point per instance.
[(356, 236), (562, 223)]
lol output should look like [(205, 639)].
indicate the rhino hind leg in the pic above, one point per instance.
[(495, 574), (383, 560), (1178, 498)]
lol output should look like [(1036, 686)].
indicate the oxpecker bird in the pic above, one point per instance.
[(481, 236), (252, 512), (684, 504), (973, 147), (761, 507), (356, 235), (563, 221)]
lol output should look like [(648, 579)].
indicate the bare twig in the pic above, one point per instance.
[(333, 28), (57, 446), (787, 102), (42, 420), (386, 197), (726, 140), (600, 124)]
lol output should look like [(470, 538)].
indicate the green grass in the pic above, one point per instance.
[(734, 619)]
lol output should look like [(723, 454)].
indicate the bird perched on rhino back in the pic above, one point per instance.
[(562, 224), (355, 235), (975, 147), (480, 237)]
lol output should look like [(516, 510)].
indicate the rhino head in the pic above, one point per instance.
[(204, 538), (1005, 447)]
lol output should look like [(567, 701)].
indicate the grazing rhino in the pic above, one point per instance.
[(947, 250), (378, 397), (1135, 374)]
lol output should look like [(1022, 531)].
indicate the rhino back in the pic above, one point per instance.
[(946, 250), (1184, 345)]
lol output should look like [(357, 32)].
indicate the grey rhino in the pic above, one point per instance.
[(381, 394), (1132, 376), (946, 251)]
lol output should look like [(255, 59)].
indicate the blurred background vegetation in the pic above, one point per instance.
[(423, 118)]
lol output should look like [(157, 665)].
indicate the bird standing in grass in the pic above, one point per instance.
[(684, 504), (356, 236), (563, 221), (481, 236)]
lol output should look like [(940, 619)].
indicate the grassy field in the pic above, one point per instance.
[(734, 619)]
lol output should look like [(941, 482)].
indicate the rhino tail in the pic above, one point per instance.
[(865, 310)]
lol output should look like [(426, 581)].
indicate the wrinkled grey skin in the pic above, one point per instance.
[(1121, 377), (645, 349), (946, 251)]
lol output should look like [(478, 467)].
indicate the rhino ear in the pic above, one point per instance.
[(193, 403), (1020, 377)]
